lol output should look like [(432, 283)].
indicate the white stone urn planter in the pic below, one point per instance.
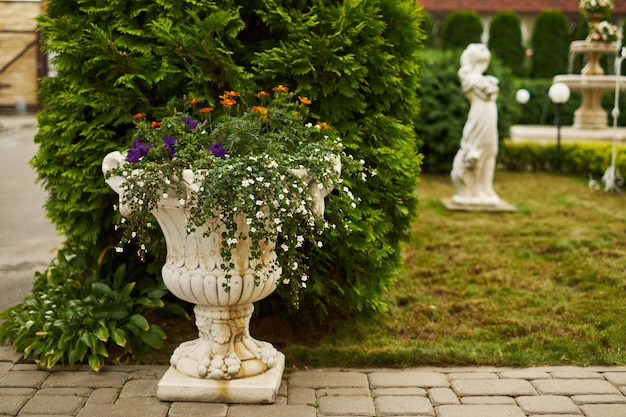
[(224, 364)]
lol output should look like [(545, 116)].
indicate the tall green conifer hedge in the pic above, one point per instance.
[(550, 42), (359, 61), (460, 28)]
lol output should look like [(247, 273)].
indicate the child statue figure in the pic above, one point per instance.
[(475, 162)]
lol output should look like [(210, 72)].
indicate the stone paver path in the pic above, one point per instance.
[(130, 391)]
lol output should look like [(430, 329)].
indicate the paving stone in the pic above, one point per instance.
[(329, 392), (48, 404), (188, 409), (555, 415), (487, 400), (403, 406), (154, 372), (11, 404), (139, 410), (441, 396), (528, 374), (479, 411), (511, 387), (328, 379), (302, 396), (272, 411), (8, 354), (26, 392), (407, 378), (615, 378), (77, 391), (28, 367), (400, 391), (574, 387), (86, 379), (103, 396), (604, 410), (23, 379), (4, 368), (599, 399), (351, 405), (576, 374), (472, 375), (134, 402), (139, 388), (547, 404)]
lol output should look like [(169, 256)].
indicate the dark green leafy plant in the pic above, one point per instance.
[(79, 312)]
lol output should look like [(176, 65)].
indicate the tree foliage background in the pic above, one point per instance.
[(359, 61)]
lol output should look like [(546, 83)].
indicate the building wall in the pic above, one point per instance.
[(19, 53)]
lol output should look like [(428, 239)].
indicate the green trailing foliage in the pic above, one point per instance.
[(505, 41), (84, 310), (549, 42), (444, 108), (460, 28), (358, 61)]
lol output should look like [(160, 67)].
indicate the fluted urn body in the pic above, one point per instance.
[(194, 271)]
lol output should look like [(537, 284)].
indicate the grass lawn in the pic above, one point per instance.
[(544, 285)]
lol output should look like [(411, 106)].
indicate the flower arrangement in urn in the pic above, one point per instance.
[(596, 6), (271, 164), (603, 32)]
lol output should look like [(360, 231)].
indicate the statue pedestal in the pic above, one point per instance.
[(262, 388), (502, 206)]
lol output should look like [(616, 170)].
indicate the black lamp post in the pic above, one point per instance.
[(522, 96), (559, 94)]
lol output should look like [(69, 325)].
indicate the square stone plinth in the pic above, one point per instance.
[(262, 388), (503, 206)]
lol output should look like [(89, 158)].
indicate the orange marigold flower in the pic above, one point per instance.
[(281, 88), (228, 102), (304, 100), (154, 125), (206, 110), (194, 101), (324, 125), (229, 94), (260, 109), (262, 94), (138, 115)]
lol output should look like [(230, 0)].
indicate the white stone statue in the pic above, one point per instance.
[(474, 164)]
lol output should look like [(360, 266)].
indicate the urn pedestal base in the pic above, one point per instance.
[(262, 388)]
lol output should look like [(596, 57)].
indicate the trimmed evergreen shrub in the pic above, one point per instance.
[(358, 61), (428, 27), (550, 45), (579, 158), (444, 108), (505, 41), (460, 28)]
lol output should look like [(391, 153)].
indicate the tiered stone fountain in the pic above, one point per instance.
[(592, 83)]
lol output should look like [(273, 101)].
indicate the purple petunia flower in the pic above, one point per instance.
[(217, 149), (192, 123), (169, 142), (137, 151)]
